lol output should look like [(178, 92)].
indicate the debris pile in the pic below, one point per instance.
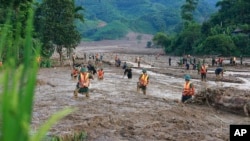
[(226, 99)]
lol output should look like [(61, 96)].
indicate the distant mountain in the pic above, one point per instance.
[(112, 19)]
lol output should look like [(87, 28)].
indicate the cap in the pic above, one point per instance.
[(144, 70)]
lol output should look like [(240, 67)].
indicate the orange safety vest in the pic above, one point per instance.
[(100, 73), (144, 79), (203, 69), (84, 80), (187, 90)]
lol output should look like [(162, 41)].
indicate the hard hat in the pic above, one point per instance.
[(144, 70), (83, 69), (187, 77)]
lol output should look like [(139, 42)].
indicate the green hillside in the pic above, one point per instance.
[(116, 17)]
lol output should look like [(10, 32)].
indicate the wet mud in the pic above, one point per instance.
[(115, 111)]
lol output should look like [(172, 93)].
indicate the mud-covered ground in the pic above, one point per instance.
[(116, 112)]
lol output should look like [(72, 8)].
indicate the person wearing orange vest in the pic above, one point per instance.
[(74, 73), (143, 81), (188, 90), (203, 71), (83, 83), (100, 74)]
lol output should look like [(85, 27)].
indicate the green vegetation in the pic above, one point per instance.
[(19, 50), (115, 30), (82, 136), (143, 16), (161, 39), (55, 26), (226, 33)]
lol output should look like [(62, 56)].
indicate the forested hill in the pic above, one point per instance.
[(112, 19)]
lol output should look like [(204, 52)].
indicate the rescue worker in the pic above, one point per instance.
[(234, 60), (128, 72), (118, 62), (83, 82), (101, 57), (187, 66), (100, 74), (138, 62), (169, 61), (241, 59), (124, 66), (74, 73), (194, 66), (97, 60), (143, 81), (213, 61), (203, 72), (219, 73), (231, 61), (188, 90), (91, 68), (74, 58), (220, 61)]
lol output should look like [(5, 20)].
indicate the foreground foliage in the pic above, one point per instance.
[(18, 75)]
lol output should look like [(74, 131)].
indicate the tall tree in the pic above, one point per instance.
[(232, 12), (186, 41), (220, 44), (187, 10), (57, 24)]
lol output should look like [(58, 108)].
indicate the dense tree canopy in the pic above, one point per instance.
[(144, 16), (55, 23), (226, 33), (161, 40)]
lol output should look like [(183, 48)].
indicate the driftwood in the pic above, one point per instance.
[(226, 99)]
